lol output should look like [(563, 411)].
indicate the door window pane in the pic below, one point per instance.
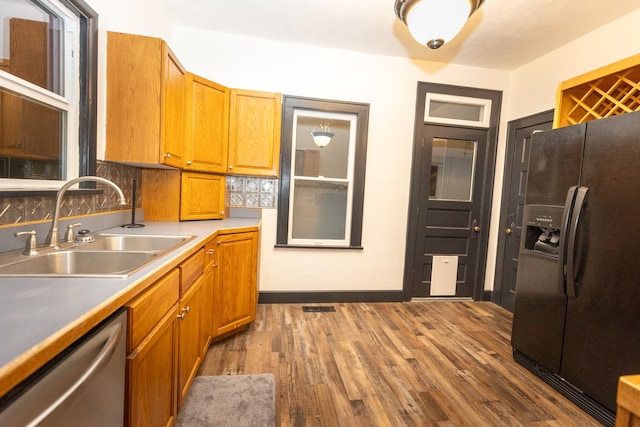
[(452, 168)]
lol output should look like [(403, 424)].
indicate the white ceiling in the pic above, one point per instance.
[(502, 34)]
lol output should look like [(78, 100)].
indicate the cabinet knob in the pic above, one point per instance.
[(186, 309), (221, 212), (215, 265), (181, 316), (188, 162), (230, 167), (167, 155)]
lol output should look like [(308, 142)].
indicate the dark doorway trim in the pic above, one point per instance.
[(492, 140), (512, 127)]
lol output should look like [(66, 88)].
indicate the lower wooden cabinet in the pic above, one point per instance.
[(211, 294), (189, 325), (151, 376), (173, 195), (235, 285)]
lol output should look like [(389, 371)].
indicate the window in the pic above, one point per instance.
[(48, 63), (322, 186), (457, 110)]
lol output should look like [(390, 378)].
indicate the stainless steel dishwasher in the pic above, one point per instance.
[(83, 386)]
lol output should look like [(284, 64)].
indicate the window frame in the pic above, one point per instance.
[(291, 104), (83, 125)]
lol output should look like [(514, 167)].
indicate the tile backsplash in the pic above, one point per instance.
[(17, 210), (252, 192), (242, 191)]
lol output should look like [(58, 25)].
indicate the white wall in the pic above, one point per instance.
[(534, 86), (389, 86)]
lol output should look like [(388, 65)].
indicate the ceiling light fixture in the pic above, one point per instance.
[(322, 138), (435, 22)]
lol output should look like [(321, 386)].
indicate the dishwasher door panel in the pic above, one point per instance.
[(84, 385)]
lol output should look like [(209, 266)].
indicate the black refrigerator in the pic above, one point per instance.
[(576, 319)]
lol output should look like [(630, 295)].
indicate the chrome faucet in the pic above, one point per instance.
[(52, 238)]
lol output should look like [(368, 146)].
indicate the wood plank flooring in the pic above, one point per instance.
[(444, 363)]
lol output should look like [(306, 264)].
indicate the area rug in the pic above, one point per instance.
[(229, 400)]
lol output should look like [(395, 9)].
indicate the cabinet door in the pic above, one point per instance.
[(206, 320), (254, 132), (189, 337), (206, 312), (202, 196), (151, 376), (208, 116), (146, 92), (235, 289), (173, 109)]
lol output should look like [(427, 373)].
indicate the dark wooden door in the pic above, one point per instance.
[(449, 217), (515, 182)]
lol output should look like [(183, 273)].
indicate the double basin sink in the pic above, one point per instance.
[(109, 255)]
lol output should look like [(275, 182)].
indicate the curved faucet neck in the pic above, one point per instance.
[(53, 239)]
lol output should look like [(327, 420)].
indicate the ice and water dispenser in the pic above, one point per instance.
[(542, 226)]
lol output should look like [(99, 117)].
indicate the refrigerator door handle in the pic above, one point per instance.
[(581, 199), (564, 232)]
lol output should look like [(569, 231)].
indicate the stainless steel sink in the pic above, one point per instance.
[(109, 255), (79, 263), (131, 242)]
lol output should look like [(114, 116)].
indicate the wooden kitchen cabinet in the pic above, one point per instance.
[(152, 362), (235, 285), (173, 195), (189, 354), (189, 321), (146, 95), (208, 125), (254, 133), (206, 331)]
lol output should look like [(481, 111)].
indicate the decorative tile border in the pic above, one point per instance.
[(26, 209), (242, 191), (252, 192)]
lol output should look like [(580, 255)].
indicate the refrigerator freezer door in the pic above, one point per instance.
[(602, 341), (554, 165), (539, 311)]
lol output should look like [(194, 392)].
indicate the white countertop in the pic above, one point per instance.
[(34, 310)]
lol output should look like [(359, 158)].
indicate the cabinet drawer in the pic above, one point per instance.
[(190, 270), (146, 310)]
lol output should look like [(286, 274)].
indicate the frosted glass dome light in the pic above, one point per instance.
[(434, 22)]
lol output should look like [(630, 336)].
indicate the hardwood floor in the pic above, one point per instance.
[(444, 363)]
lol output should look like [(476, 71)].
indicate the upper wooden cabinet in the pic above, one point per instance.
[(254, 133), (160, 114), (146, 94), (208, 125), (174, 195)]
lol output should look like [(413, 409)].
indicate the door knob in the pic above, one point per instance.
[(510, 228), (476, 228), (475, 225)]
